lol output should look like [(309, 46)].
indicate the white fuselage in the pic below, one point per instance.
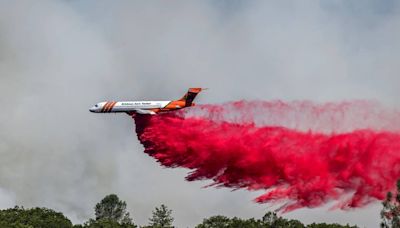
[(147, 107), (124, 106), (141, 107)]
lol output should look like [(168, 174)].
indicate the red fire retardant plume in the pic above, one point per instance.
[(294, 167)]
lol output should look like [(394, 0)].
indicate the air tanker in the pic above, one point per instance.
[(147, 107)]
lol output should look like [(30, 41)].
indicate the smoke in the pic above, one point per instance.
[(302, 169), (49, 63), (332, 117), (7, 199), (58, 58)]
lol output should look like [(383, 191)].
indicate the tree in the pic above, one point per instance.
[(390, 213), (107, 223), (324, 225), (162, 217), (18, 217), (245, 223), (270, 219), (215, 221), (113, 209)]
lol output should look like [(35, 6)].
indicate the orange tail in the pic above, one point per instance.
[(190, 95)]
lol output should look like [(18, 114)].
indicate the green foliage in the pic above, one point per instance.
[(390, 213), (78, 226), (248, 223), (269, 220), (18, 217), (111, 213), (324, 225), (14, 225), (107, 223), (113, 209), (215, 221), (162, 217)]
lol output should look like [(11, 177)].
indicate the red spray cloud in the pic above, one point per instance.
[(298, 166)]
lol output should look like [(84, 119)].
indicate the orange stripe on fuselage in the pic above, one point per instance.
[(111, 106), (104, 107), (108, 106)]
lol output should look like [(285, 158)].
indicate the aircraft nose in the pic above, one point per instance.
[(92, 109)]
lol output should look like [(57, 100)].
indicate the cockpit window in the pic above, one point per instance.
[(96, 106)]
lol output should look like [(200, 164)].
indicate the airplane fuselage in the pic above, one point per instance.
[(140, 107), (146, 107)]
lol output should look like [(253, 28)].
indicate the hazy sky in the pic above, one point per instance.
[(58, 58)]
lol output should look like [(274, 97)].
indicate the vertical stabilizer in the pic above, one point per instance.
[(190, 95)]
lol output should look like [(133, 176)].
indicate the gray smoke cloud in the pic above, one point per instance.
[(57, 58)]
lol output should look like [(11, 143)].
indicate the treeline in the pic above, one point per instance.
[(111, 213)]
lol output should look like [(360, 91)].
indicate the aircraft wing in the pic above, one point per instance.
[(144, 112)]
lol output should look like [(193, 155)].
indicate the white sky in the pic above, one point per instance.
[(58, 58)]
